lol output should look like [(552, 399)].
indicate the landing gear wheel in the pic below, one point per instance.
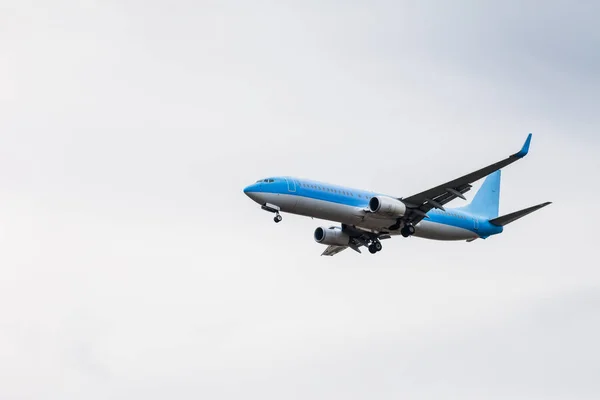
[(277, 218), (377, 245), (407, 231), (372, 249)]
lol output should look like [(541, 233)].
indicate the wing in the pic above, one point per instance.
[(333, 250), (419, 204), (358, 238)]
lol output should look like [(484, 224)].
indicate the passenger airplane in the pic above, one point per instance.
[(366, 217)]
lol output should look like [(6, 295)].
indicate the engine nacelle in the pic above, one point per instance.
[(331, 236), (387, 206)]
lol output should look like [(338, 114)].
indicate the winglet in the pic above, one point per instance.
[(525, 149)]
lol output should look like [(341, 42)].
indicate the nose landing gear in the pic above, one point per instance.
[(273, 209)]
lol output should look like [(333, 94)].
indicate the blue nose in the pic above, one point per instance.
[(255, 187)]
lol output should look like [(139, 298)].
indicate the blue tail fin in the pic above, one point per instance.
[(486, 202)]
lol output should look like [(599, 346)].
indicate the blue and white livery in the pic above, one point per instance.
[(367, 218)]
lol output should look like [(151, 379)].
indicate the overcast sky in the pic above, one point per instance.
[(133, 266)]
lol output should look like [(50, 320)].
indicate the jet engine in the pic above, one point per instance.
[(387, 206), (331, 236)]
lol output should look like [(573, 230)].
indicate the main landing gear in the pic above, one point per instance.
[(277, 218), (375, 247), (407, 230)]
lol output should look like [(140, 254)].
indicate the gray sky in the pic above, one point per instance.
[(132, 265)]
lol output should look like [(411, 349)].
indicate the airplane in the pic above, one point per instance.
[(366, 217)]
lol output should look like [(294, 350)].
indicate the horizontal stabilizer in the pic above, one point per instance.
[(508, 218)]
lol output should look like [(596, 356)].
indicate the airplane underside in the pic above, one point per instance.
[(356, 217)]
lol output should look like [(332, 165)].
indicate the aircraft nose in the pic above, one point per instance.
[(252, 190)]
